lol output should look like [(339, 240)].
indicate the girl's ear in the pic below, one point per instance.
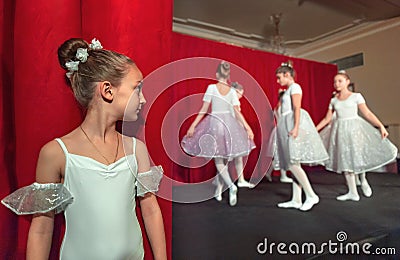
[(106, 91)]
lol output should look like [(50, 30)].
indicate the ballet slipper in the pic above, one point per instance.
[(269, 177), (309, 203), (218, 192), (358, 182), (348, 196), (295, 203), (290, 205), (245, 184), (351, 184), (366, 189), (232, 195), (285, 179)]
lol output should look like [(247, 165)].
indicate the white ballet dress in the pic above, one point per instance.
[(307, 147), (354, 145), (219, 134), (99, 206), (273, 139)]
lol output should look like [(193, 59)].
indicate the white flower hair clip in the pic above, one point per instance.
[(286, 64), (82, 56), (72, 66), (95, 45)]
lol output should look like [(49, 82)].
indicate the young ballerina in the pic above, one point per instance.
[(222, 135), (239, 160), (325, 134), (354, 145), (275, 163), (297, 140), (87, 174)]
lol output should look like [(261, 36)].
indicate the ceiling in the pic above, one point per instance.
[(301, 21)]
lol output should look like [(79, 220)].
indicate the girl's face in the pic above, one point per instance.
[(129, 96), (340, 82), (283, 79)]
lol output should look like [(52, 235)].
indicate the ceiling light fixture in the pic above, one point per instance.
[(277, 41)]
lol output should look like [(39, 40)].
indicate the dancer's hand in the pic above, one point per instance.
[(294, 133), (250, 133), (384, 133), (190, 132)]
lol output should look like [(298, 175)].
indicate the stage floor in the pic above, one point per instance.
[(254, 228)]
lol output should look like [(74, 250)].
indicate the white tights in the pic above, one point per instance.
[(223, 171), (352, 194), (301, 182)]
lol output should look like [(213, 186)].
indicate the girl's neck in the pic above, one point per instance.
[(344, 91), (98, 125), (291, 82), (223, 81)]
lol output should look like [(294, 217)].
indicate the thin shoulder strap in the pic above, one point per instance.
[(63, 147), (134, 145)]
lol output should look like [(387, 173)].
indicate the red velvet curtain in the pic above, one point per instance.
[(315, 78), (37, 105)]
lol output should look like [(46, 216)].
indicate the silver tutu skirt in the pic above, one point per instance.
[(306, 148), (218, 136), (275, 160), (354, 145)]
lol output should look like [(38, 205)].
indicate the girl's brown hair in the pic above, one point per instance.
[(101, 65)]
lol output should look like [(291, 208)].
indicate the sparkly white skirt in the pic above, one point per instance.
[(306, 148), (218, 135), (275, 160), (354, 145)]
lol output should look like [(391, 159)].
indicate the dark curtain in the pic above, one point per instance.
[(37, 105)]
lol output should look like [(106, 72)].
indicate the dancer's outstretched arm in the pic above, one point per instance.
[(371, 117), (241, 119), (326, 120)]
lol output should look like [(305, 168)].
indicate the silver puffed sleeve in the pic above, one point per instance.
[(149, 181), (38, 198)]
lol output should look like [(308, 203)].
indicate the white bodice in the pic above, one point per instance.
[(348, 108), (221, 103)]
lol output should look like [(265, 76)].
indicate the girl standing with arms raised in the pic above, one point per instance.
[(297, 140), (222, 135), (354, 145), (87, 173)]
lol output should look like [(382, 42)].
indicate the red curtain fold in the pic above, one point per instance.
[(43, 107), (8, 180)]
